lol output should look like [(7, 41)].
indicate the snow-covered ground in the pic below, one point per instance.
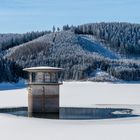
[(89, 93), (94, 46), (73, 94)]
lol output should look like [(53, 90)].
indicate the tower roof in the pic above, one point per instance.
[(43, 69)]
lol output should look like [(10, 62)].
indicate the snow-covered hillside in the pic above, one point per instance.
[(74, 94), (80, 55), (89, 43)]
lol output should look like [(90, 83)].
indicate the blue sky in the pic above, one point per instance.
[(28, 15)]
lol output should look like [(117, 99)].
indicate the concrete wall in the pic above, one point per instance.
[(43, 98)]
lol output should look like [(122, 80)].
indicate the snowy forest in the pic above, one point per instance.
[(96, 52), (121, 37)]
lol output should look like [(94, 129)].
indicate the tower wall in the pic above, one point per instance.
[(43, 98)]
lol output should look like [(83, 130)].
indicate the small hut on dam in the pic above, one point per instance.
[(43, 89)]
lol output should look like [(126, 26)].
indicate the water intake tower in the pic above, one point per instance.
[(43, 89)]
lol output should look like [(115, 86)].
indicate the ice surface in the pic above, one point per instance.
[(90, 93), (73, 93)]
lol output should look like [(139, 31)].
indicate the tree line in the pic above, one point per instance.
[(63, 49), (124, 38), (10, 40)]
